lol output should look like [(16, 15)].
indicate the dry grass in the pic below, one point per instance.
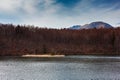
[(47, 55)]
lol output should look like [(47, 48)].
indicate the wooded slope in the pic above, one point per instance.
[(19, 40)]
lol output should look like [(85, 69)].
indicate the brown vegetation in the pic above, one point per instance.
[(21, 40)]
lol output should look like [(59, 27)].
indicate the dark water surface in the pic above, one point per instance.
[(67, 68)]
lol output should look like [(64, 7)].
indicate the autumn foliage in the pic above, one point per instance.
[(19, 40)]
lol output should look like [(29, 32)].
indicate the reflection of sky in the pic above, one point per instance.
[(40, 70), (59, 13)]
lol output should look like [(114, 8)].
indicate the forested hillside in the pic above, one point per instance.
[(19, 40)]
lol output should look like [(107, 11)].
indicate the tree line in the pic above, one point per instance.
[(20, 40)]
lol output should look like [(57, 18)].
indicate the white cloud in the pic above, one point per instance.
[(50, 14), (60, 21), (29, 6), (9, 5), (13, 6)]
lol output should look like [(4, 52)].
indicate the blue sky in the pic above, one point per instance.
[(59, 13)]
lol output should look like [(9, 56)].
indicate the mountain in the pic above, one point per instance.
[(97, 25), (75, 27)]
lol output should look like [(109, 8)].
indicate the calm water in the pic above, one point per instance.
[(68, 68)]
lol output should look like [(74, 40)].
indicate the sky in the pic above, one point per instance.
[(59, 13)]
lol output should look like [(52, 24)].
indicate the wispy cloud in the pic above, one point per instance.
[(9, 5), (52, 13)]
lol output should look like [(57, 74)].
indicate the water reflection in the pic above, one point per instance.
[(60, 69)]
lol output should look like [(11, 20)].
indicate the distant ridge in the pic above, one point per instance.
[(97, 25), (75, 27)]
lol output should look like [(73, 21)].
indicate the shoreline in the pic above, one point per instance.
[(47, 55)]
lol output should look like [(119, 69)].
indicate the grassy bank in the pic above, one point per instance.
[(47, 55)]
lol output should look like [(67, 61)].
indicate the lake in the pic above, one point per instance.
[(64, 68)]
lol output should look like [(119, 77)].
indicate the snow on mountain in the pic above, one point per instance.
[(92, 25), (75, 27)]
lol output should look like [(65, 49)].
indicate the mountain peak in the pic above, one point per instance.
[(75, 27), (97, 25)]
